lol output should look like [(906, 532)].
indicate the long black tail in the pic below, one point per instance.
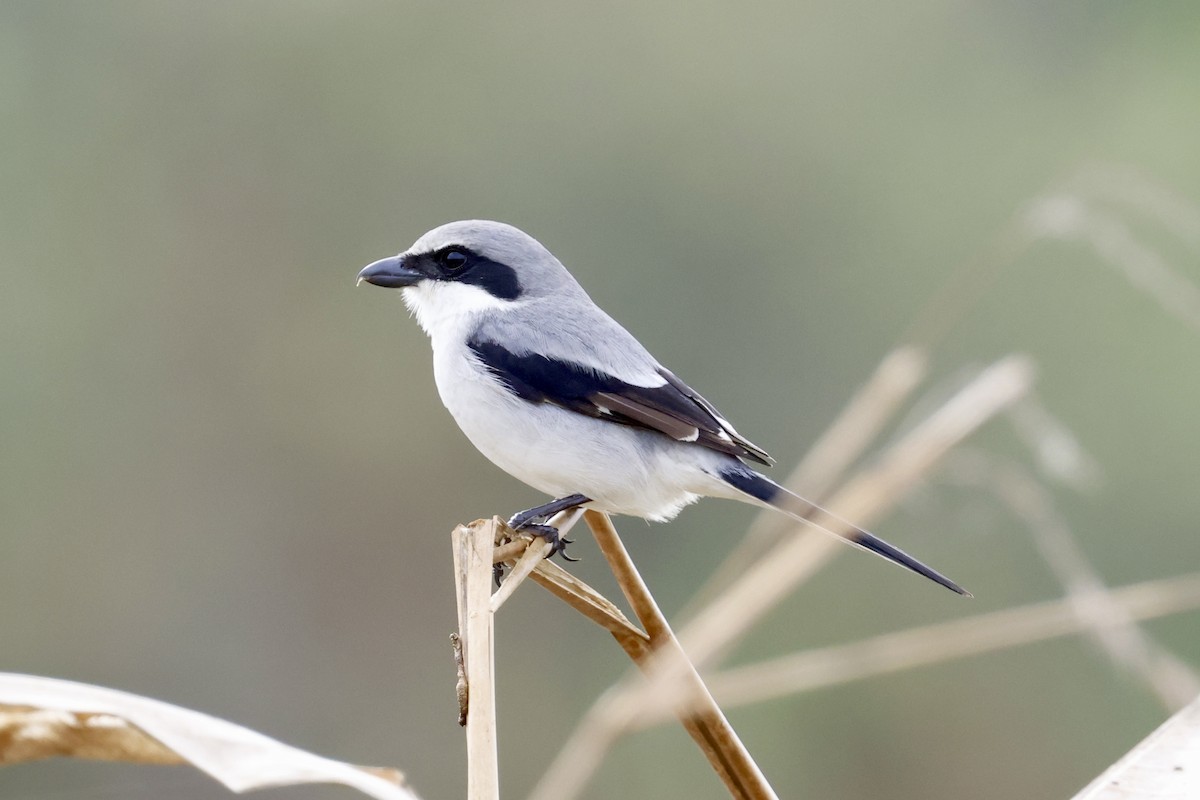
[(766, 491)]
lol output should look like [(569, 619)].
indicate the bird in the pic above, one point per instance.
[(559, 395)]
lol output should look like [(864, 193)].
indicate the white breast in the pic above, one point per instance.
[(623, 469)]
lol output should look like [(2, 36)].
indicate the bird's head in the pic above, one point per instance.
[(461, 268)]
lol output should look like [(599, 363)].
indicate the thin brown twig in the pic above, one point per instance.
[(706, 724), (591, 604)]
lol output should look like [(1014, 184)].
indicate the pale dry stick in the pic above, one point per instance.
[(860, 421), (510, 550), (1128, 187), (473, 545), (865, 497), (534, 554), (575, 593), (1069, 218), (529, 556), (1062, 212), (593, 605), (1057, 452), (824, 667), (1116, 633)]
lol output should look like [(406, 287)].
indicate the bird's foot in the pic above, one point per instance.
[(535, 521), (558, 544)]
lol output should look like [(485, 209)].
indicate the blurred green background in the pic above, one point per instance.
[(226, 479)]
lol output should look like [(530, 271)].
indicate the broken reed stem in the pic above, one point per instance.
[(473, 545), (591, 604)]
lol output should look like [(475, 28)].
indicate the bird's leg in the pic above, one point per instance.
[(527, 521), (521, 519)]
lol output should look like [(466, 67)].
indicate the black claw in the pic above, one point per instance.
[(561, 548), (558, 544), (498, 573)]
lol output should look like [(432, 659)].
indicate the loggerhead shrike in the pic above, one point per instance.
[(557, 394)]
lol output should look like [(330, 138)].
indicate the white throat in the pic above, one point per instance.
[(444, 309)]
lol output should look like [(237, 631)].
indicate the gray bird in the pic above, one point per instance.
[(557, 394)]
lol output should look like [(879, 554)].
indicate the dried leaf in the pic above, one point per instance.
[(46, 717)]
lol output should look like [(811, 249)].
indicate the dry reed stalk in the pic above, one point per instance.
[(591, 604), (934, 644), (1071, 218), (1110, 626), (1131, 189), (860, 421), (863, 499), (707, 726), (1055, 449), (867, 413), (473, 545), (535, 552)]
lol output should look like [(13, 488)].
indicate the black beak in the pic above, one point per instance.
[(390, 273)]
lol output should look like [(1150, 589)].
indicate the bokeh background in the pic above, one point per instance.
[(226, 479)]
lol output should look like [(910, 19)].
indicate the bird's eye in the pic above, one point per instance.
[(454, 260)]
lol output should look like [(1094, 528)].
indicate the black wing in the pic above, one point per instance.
[(673, 409)]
